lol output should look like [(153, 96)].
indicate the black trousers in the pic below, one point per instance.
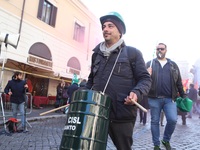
[(143, 117), (183, 116), (121, 134)]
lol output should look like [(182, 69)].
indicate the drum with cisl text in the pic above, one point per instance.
[(87, 121)]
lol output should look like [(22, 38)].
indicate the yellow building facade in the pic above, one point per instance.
[(56, 40)]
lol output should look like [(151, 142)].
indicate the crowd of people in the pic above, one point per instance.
[(121, 72), (65, 91), (17, 88), (155, 85)]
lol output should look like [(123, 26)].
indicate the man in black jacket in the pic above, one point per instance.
[(120, 72), (199, 91), (166, 84), (16, 88), (192, 94), (72, 88)]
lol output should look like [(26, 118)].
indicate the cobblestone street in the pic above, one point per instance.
[(46, 134)]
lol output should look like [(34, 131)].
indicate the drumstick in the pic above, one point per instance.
[(46, 112), (138, 105)]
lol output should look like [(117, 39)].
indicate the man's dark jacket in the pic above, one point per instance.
[(71, 90), (129, 74), (18, 90), (192, 94), (176, 81)]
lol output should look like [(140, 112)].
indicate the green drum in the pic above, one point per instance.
[(87, 121)]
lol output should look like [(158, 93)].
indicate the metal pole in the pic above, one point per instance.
[(1, 81), (2, 71), (25, 108), (3, 113), (152, 59)]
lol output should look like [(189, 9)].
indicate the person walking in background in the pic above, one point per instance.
[(198, 107), (198, 103), (65, 95), (17, 88), (59, 94), (199, 91), (143, 115), (70, 90), (83, 83), (192, 94), (183, 116), (166, 84), (122, 69), (73, 87)]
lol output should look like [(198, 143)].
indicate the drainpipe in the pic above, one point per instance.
[(88, 42), (22, 15)]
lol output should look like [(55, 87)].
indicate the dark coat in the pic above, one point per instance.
[(59, 91), (176, 80), (192, 94), (144, 102), (18, 90), (128, 75), (71, 90), (83, 83), (199, 91)]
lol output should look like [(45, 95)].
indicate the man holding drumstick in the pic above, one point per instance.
[(120, 72)]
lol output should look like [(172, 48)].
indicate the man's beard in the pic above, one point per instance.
[(160, 55)]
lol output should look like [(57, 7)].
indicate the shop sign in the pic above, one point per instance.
[(40, 62)]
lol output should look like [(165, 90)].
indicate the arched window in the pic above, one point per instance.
[(41, 50), (74, 66), (40, 55)]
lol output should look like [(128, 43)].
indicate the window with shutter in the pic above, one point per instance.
[(47, 12), (79, 32)]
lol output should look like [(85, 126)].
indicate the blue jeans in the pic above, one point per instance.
[(170, 110), (15, 108)]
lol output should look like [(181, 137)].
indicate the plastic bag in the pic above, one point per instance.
[(184, 104)]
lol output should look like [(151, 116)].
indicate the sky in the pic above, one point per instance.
[(148, 22)]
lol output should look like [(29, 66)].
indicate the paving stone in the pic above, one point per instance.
[(46, 134)]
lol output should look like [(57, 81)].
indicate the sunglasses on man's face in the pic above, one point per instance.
[(162, 49)]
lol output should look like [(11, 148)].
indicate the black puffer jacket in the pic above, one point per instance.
[(129, 74), (177, 87), (73, 87), (199, 91), (17, 89)]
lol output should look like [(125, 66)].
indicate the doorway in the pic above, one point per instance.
[(37, 86)]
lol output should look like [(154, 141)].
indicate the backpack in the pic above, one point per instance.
[(11, 125), (131, 53)]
